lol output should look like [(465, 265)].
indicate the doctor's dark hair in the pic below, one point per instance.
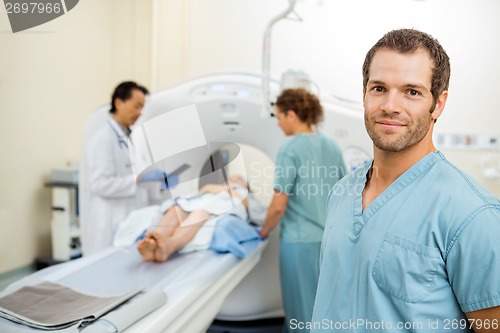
[(408, 41), (303, 103), (124, 92)]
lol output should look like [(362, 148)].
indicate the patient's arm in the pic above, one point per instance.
[(213, 188), (217, 188)]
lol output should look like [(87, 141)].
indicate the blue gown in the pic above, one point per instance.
[(307, 168)]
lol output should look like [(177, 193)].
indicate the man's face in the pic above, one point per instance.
[(128, 111), (398, 100)]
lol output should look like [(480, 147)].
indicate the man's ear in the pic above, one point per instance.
[(119, 103), (440, 103)]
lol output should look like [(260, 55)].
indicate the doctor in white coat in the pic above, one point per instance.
[(109, 190)]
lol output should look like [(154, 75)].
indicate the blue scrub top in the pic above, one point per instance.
[(307, 168), (422, 253)]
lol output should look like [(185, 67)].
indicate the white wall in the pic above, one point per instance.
[(169, 50), (331, 42), (51, 78)]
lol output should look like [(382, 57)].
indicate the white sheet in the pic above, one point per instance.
[(146, 218)]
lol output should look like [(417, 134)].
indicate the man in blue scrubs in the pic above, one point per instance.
[(411, 243)]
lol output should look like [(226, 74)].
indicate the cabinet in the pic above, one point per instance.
[(65, 230)]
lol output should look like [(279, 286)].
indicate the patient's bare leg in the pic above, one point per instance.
[(181, 236), (147, 247), (167, 226), (170, 221)]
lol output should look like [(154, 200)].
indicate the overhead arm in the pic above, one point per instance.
[(266, 57)]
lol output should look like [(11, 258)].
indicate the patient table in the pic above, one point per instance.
[(196, 284)]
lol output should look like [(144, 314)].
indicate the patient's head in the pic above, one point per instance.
[(237, 179)]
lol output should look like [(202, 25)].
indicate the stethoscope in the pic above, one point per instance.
[(121, 141)]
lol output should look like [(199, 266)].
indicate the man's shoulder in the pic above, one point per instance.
[(100, 137), (352, 182), (452, 180), (103, 131)]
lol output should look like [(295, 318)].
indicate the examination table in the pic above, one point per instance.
[(195, 284)]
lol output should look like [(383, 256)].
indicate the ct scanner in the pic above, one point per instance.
[(204, 285)]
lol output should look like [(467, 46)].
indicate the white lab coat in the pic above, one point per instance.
[(109, 190)]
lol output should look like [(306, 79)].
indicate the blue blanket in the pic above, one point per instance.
[(233, 235)]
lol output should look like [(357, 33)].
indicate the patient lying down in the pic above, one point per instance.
[(182, 221)]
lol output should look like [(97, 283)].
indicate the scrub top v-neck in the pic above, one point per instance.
[(401, 260)]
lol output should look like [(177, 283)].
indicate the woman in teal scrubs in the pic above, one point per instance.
[(307, 168)]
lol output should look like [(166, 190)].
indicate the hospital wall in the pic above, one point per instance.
[(331, 42), (53, 76)]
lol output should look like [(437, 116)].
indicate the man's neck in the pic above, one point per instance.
[(118, 119), (388, 166), (122, 125)]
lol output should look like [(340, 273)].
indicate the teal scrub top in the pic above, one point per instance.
[(307, 168), (421, 254)]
